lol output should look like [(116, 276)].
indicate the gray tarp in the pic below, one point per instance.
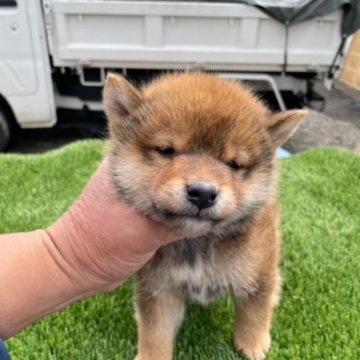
[(295, 11), (292, 15)]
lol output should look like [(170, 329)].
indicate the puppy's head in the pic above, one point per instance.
[(192, 150)]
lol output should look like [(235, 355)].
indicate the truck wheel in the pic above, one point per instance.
[(5, 131)]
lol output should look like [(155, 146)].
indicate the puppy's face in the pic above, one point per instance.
[(192, 150)]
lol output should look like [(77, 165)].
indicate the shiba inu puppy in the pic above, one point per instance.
[(196, 152)]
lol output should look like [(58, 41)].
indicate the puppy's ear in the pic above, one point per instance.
[(120, 98), (283, 124)]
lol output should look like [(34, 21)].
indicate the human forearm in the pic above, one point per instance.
[(34, 280)]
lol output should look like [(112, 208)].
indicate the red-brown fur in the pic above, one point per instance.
[(233, 245)]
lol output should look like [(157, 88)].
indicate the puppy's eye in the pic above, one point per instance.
[(165, 150), (233, 165)]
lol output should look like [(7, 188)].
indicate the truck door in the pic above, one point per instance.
[(25, 76)]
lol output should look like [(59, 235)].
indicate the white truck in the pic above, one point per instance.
[(54, 53)]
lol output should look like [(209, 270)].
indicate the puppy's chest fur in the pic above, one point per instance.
[(201, 269)]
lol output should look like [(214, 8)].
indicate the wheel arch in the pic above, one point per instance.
[(8, 112)]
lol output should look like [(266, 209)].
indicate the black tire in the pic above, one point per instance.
[(5, 131)]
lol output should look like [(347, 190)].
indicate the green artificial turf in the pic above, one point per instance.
[(319, 313)]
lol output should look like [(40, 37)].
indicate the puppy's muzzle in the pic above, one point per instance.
[(201, 194)]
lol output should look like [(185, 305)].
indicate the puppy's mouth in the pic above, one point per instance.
[(195, 216)]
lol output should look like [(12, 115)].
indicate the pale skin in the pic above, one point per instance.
[(92, 248)]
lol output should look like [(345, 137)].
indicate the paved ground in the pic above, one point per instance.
[(343, 103), (338, 125)]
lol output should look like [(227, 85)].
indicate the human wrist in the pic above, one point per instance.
[(71, 242), (93, 256)]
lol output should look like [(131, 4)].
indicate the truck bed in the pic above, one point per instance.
[(171, 35)]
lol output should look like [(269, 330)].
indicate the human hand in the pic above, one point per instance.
[(100, 241), (93, 247)]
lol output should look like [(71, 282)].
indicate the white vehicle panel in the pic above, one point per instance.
[(153, 34), (17, 61), (25, 76)]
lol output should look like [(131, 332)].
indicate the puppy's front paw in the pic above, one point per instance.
[(253, 347)]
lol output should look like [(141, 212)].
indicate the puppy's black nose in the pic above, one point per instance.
[(202, 194)]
